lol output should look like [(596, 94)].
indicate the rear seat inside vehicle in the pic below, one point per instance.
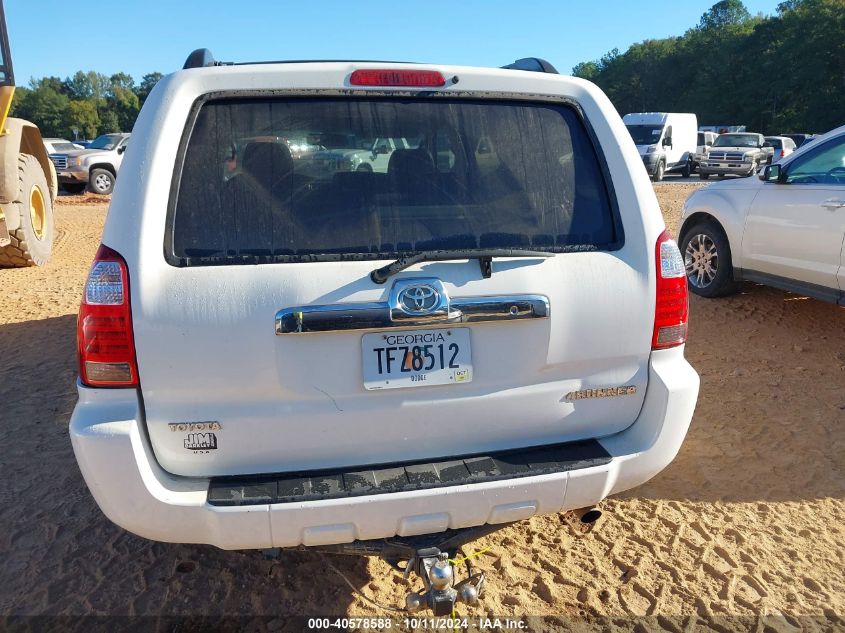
[(362, 211), (370, 208), (411, 176), (263, 187)]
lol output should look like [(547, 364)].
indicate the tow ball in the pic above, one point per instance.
[(429, 558), (438, 575)]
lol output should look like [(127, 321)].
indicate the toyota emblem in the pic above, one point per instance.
[(420, 299)]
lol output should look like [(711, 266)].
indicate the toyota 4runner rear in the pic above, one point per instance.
[(489, 329)]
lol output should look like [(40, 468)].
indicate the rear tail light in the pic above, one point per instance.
[(105, 343), (671, 310), (394, 77), (781, 153)]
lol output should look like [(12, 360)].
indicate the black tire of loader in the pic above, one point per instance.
[(26, 248)]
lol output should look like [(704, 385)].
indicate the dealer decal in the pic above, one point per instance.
[(201, 437), (201, 441)]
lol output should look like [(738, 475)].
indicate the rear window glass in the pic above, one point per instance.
[(281, 179)]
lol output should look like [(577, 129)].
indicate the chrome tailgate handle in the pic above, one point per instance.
[(342, 317), (502, 308)]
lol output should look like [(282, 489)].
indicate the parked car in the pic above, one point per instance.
[(734, 154), (705, 142), (778, 147), (95, 167), (371, 155), (666, 141), (53, 145), (785, 229), (275, 360), (799, 139)]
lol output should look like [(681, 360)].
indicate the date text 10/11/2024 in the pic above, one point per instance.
[(446, 624)]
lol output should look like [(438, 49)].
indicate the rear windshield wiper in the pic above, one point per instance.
[(484, 257)]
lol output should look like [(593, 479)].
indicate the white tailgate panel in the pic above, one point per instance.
[(207, 351)]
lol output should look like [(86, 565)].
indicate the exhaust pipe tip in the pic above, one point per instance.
[(589, 515), (583, 520)]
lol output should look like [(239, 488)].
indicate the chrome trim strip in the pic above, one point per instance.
[(343, 317), (501, 308)]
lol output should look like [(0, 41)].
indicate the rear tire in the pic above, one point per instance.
[(707, 259), (687, 170), (101, 181), (658, 171), (32, 241)]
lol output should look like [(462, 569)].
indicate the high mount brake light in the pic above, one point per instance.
[(394, 77), (104, 338), (671, 310)]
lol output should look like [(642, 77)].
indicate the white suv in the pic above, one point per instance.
[(785, 229), (274, 360)]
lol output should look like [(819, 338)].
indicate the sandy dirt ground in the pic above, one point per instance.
[(744, 530)]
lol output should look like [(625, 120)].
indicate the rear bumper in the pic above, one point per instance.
[(115, 458)]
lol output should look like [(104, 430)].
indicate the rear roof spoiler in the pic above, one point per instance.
[(202, 58)]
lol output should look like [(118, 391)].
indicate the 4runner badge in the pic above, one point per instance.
[(601, 393)]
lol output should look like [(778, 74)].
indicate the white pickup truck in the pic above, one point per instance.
[(491, 329)]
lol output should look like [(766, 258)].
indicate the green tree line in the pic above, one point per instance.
[(91, 103), (782, 73)]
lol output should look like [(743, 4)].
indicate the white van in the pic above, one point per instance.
[(705, 142), (666, 141)]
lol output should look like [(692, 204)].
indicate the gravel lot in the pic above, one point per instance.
[(745, 525)]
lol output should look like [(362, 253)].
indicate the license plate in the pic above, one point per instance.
[(416, 358)]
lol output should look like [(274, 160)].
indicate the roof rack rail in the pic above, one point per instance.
[(202, 57), (534, 64)]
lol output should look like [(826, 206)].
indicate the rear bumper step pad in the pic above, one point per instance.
[(359, 481)]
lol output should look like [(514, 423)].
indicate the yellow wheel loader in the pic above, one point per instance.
[(28, 184)]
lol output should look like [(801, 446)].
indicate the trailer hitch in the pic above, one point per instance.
[(429, 558)]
